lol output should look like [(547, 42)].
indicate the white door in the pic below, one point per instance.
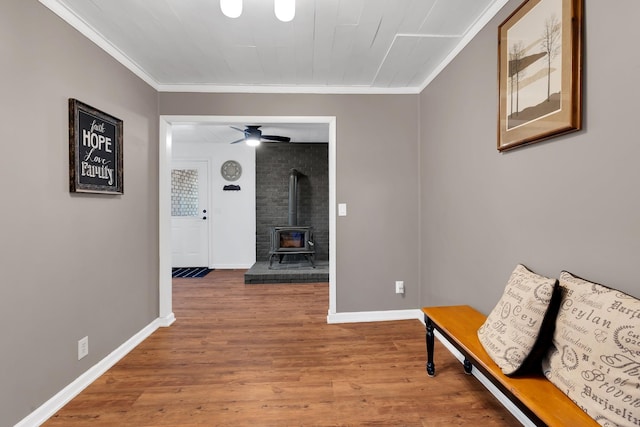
[(190, 213)]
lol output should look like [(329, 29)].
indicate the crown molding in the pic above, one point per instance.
[(76, 22), (209, 88), (79, 24), (480, 23)]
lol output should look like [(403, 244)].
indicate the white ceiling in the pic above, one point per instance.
[(331, 46)]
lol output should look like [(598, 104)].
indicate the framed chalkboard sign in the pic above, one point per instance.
[(95, 150)]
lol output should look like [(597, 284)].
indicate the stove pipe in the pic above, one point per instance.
[(293, 196)]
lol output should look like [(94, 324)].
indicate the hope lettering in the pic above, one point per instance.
[(97, 142)]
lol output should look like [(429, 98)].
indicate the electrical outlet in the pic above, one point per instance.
[(399, 287), (83, 347)]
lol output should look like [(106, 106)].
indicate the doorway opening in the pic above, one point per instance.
[(164, 171)]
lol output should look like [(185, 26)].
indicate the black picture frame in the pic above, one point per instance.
[(95, 150)]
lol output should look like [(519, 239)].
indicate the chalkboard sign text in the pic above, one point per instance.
[(95, 150)]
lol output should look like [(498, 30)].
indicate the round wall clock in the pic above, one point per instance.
[(231, 170)]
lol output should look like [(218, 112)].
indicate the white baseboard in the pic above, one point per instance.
[(232, 266), (166, 321), (373, 316), (53, 405), (488, 384)]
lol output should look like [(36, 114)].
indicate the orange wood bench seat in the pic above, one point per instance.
[(541, 401)]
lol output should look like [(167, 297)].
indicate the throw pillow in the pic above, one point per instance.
[(595, 353), (517, 332)]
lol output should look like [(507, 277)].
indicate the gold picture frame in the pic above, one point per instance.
[(540, 72)]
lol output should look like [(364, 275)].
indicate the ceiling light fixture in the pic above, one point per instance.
[(253, 136), (231, 8), (285, 9)]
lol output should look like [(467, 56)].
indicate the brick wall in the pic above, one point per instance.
[(273, 164)]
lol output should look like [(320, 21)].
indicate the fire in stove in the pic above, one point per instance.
[(292, 240)]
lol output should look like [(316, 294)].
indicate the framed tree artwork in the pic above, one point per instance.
[(540, 72)]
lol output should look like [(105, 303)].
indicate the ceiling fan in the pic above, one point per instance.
[(253, 136)]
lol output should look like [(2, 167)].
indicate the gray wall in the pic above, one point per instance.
[(273, 165), (570, 203), (72, 265), (377, 176), (428, 195)]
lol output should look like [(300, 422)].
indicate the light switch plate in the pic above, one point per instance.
[(83, 347), (342, 209)]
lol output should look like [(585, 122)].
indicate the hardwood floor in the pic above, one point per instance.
[(263, 355)]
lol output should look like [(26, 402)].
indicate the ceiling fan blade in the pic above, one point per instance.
[(238, 129), (276, 138), (253, 132)]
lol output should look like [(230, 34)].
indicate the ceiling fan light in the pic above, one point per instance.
[(231, 8), (285, 9), (252, 142)]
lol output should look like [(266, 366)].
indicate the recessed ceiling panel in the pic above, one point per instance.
[(454, 17)]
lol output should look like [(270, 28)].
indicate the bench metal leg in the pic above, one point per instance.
[(467, 366), (431, 368)]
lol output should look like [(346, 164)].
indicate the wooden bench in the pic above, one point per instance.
[(538, 399)]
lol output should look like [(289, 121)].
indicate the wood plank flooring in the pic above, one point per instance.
[(263, 355)]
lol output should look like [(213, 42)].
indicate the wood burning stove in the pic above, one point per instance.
[(292, 239)]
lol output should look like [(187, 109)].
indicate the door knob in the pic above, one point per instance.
[(204, 217)]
